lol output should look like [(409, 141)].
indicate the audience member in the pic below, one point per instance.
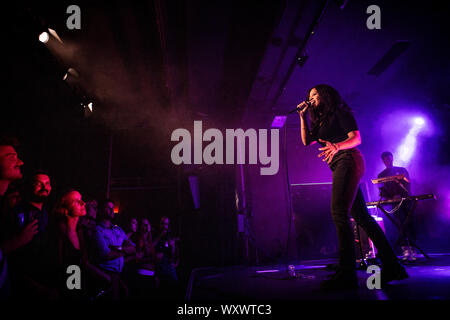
[(11, 199), (88, 222), (143, 280), (29, 263), (9, 163), (36, 249), (71, 248), (37, 190), (133, 230), (112, 245), (145, 246), (9, 172), (167, 255)]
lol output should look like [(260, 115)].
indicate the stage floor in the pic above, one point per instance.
[(429, 279)]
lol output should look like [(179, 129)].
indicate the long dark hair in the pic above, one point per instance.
[(330, 102)]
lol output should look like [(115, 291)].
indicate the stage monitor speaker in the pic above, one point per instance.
[(315, 232)]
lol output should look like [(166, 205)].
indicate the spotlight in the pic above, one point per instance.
[(419, 121), (88, 109), (43, 37), (71, 72), (87, 106)]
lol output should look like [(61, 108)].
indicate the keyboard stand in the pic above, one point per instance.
[(402, 227)]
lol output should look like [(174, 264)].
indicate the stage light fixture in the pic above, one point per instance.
[(71, 72), (87, 106), (278, 121), (55, 35), (44, 37), (301, 60)]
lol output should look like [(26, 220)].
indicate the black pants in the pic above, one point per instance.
[(346, 198)]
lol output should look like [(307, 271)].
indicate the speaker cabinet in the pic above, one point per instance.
[(315, 231)]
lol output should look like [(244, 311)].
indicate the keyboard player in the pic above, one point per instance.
[(399, 188)]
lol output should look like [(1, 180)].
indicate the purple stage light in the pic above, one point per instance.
[(278, 121), (419, 121)]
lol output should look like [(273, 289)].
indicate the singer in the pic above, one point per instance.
[(334, 127)]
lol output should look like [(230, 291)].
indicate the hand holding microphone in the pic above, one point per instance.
[(302, 107)]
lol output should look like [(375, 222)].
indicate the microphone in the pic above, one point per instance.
[(308, 104)]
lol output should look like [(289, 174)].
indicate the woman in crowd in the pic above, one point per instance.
[(133, 230), (144, 245), (71, 252)]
